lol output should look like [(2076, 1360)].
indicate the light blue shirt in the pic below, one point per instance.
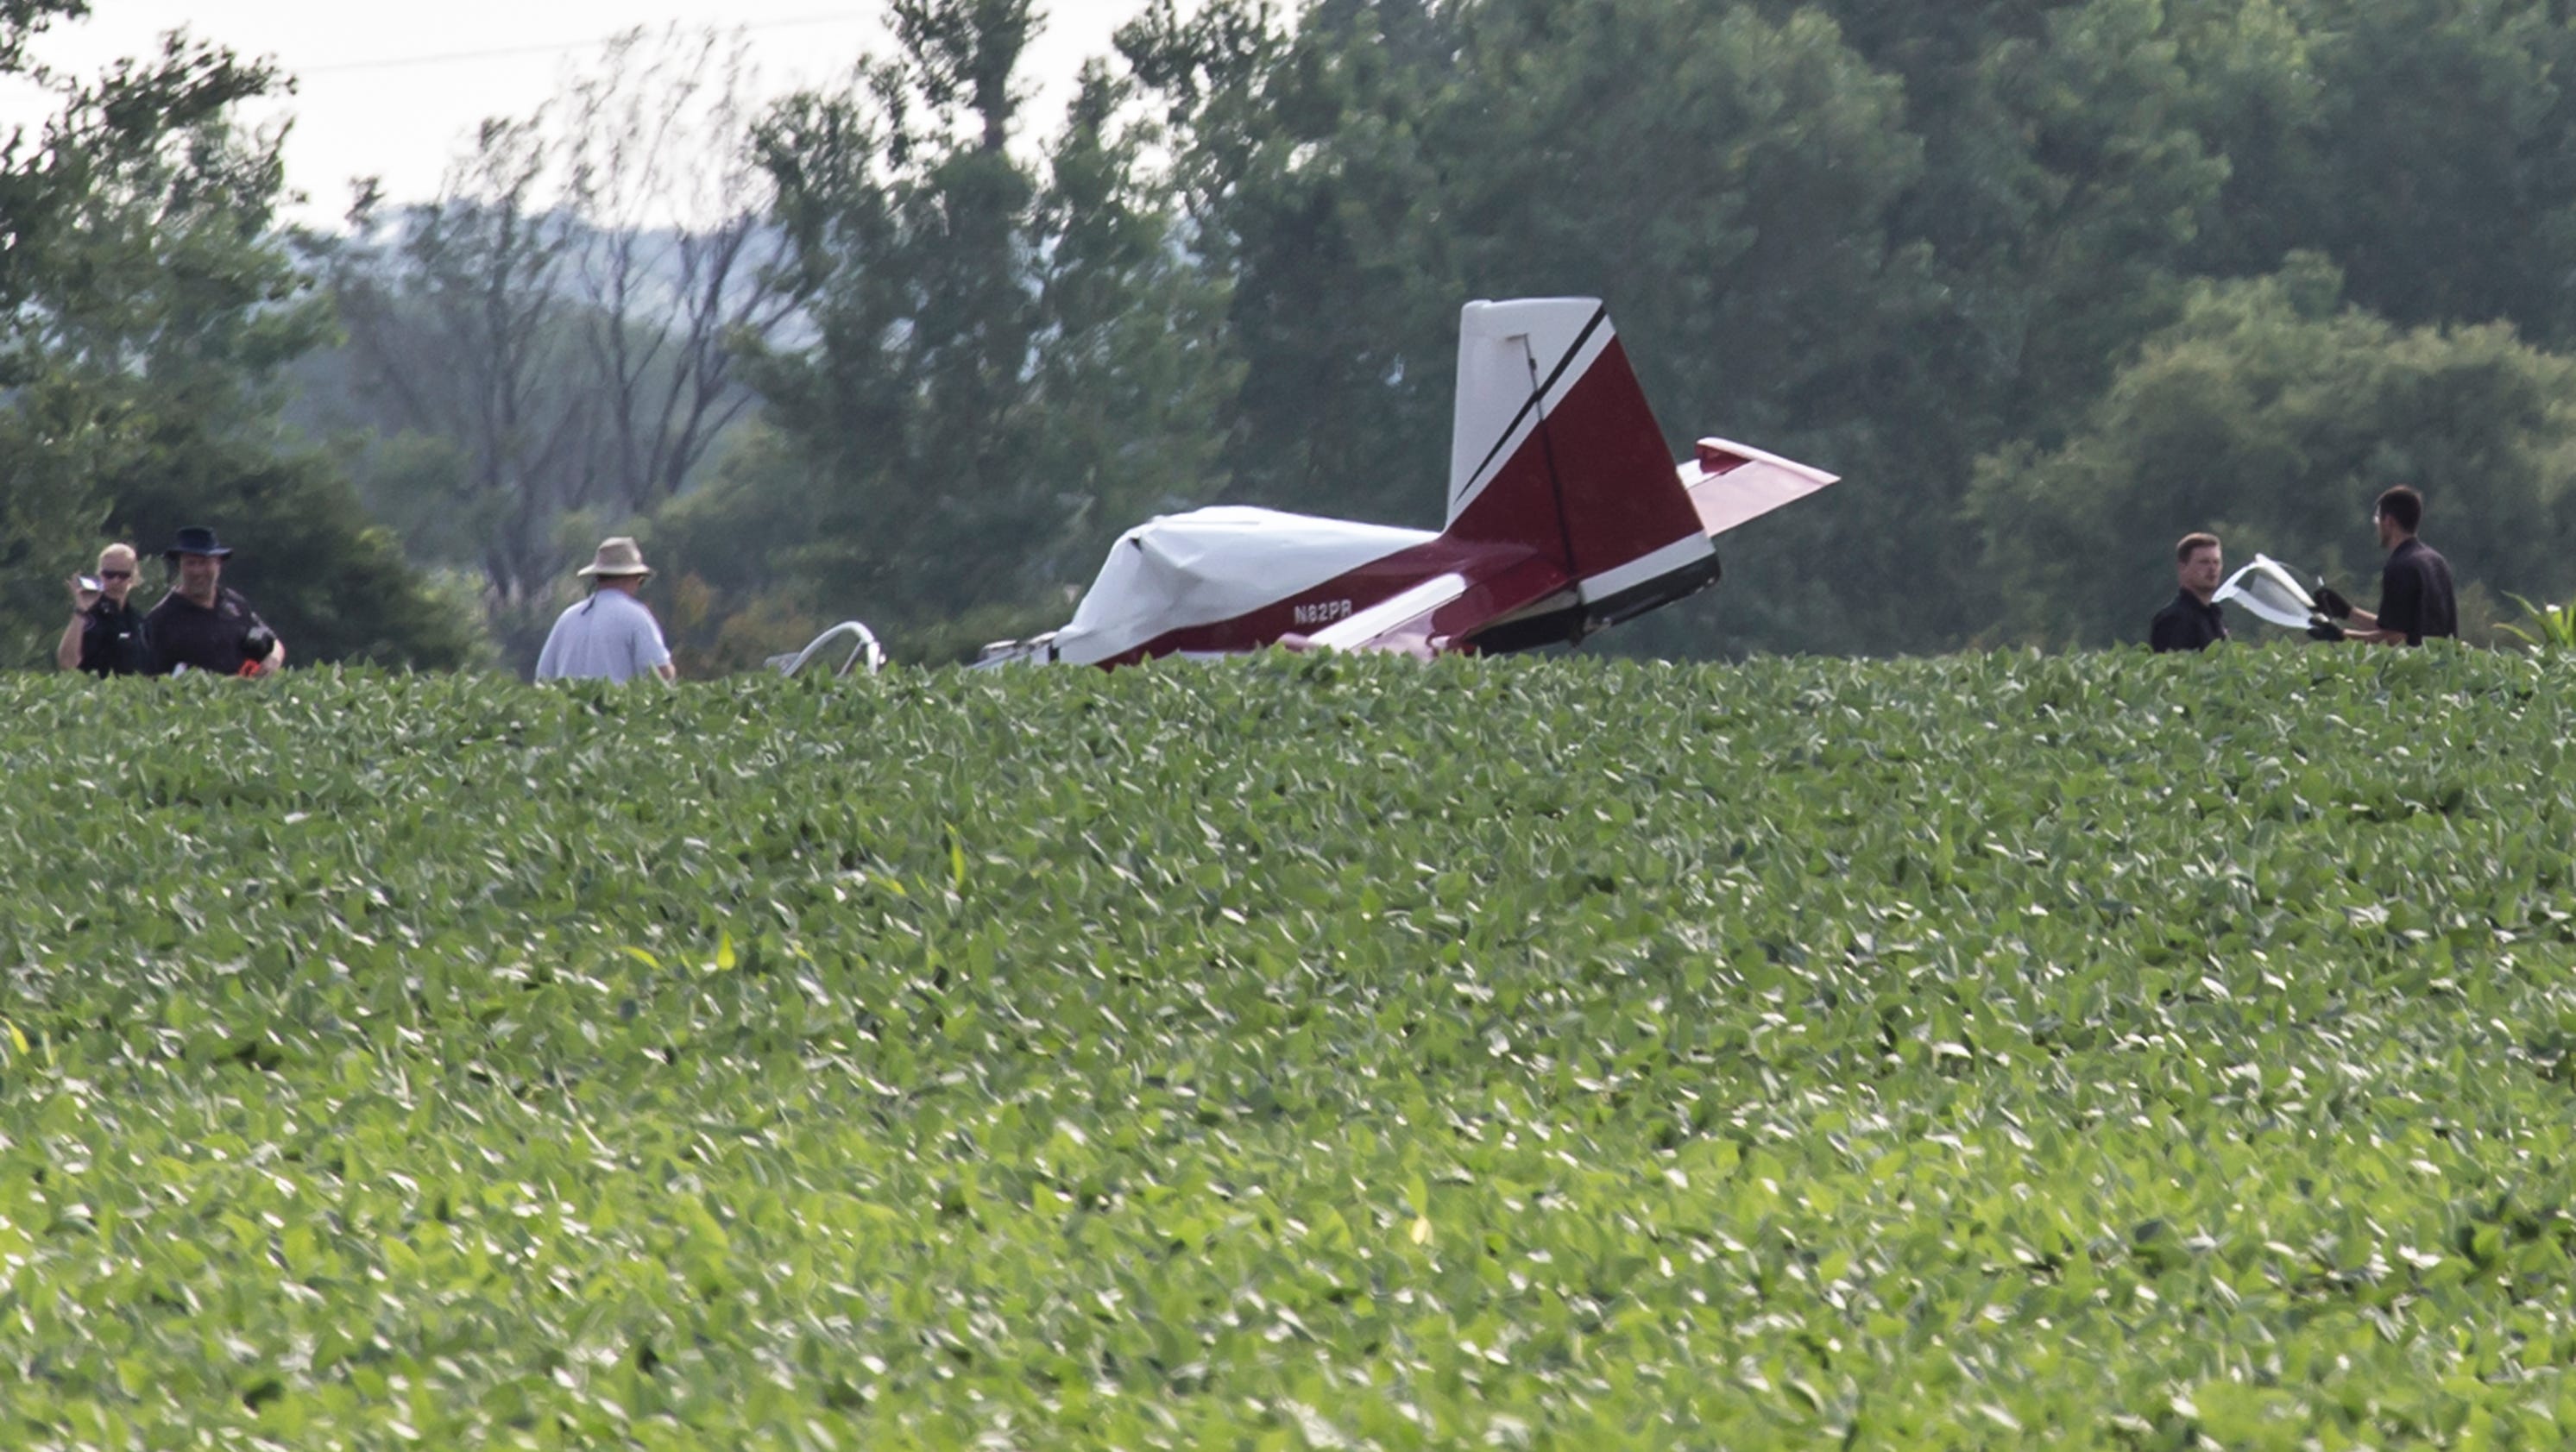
[(610, 634)]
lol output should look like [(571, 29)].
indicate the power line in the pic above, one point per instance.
[(389, 63)]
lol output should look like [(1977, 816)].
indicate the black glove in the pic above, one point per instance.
[(2331, 601), (2325, 630)]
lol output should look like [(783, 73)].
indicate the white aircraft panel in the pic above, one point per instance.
[(1214, 564), (1351, 632), (2267, 588)]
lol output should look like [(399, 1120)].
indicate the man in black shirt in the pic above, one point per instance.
[(200, 625), (106, 635), (2415, 599), (2191, 622)]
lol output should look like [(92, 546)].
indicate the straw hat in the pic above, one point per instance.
[(617, 557)]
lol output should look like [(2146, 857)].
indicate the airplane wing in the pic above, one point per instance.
[(1451, 611), (1403, 622)]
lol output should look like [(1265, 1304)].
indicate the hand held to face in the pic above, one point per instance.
[(84, 592)]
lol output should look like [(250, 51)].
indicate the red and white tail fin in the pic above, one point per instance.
[(1553, 446)]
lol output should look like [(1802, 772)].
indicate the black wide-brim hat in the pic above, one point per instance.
[(195, 540)]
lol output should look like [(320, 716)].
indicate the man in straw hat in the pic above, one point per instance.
[(610, 634)]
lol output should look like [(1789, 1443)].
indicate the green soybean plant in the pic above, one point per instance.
[(1991, 1051), (2544, 627)]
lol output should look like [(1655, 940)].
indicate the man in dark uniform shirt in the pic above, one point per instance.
[(106, 635), (200, 625), (2191, 622), (2415, 599)]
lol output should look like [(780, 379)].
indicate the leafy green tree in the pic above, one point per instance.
[(2440, 160), (1009, 359), (147, 311), (1312, 187), (89, 217), (913, 223), (2273, 414), (1136, 366), (547, 351)]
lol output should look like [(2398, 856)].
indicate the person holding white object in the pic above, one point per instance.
[(2416, 601), (106, 635)]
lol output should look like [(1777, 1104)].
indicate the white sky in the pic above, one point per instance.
[(395, 90)]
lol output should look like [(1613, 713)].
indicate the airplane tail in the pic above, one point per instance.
[(1554, 447)]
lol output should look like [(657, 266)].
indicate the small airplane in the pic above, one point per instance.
[(1566, 515)]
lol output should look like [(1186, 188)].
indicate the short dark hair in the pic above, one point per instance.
[(2403, 505), (2193, 543)]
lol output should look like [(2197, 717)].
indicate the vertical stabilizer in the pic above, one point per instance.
[(1553, 446)]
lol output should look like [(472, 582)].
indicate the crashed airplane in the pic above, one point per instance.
[(1565, 515)]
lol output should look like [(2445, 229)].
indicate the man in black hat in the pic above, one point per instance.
[(200, 625)]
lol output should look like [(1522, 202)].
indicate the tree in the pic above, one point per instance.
[(1007, 357), (1311, 189), (675, 259), (549, 349), (459, 325), (96, 204), (2435, 162), (148, 311), (911, 220), (1135, 365)]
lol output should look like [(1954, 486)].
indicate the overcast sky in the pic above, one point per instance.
[(394, 90)]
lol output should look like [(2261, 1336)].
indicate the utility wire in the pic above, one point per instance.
[(460, 57)]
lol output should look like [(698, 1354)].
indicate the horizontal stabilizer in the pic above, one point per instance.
[(1730, 483)]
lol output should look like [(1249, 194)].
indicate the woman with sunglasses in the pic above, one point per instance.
[(106, 635)]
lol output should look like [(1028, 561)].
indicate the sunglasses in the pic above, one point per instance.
[(116, 574)]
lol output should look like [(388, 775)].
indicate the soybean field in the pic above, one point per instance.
[(1301, 1052)]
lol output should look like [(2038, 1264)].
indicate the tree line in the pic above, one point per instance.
[(2050, 282)]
